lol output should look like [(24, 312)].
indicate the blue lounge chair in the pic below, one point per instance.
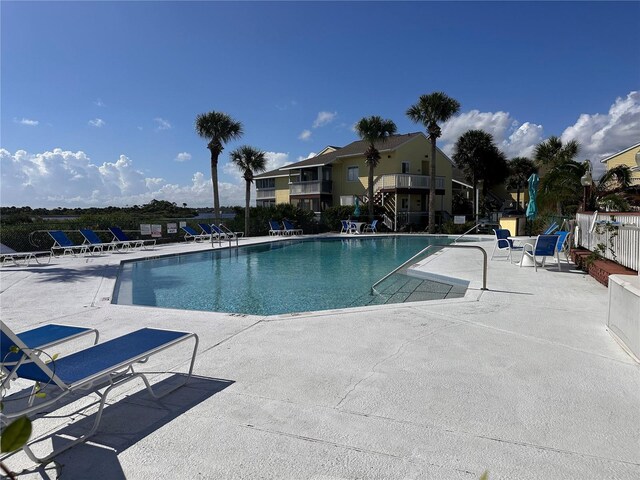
[(562, 246), (26, 257), (371, 227), (191, 234), (40, 339), (207, 230), (544, 247), (91, 238), (274, 228), (289, 229), (552, 228), (346, 226), (120, 236), (99, 369), (504, 242), (228, 233), (62, 242)]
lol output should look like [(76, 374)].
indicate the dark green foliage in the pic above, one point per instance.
[(330, 218), (260, 216)]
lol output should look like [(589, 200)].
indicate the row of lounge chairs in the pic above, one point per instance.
[(63, 245), (287, 228), (210, 232), (96, 369)]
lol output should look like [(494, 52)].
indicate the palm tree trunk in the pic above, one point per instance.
[(214, 181), (432, 188), (370, 189), (246, 209)]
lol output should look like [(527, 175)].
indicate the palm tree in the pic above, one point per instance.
[(374, 130), (479, 159), (520, 169), (556, 161), (430, 110), (218, 128), (250, 161)]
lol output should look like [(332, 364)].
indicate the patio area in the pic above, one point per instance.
[(522, 380)]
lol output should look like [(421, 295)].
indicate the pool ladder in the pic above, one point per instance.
[(424, 250)]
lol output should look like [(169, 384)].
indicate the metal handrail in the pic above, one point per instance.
[(484, 266), (472, 228), (230, 235)]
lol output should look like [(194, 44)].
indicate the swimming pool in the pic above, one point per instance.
[(277, 277)]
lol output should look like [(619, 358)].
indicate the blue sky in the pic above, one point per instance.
[(99, 98)]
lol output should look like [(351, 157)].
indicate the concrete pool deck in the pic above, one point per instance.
[(522, 380)]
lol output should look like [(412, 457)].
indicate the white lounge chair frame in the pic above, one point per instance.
[(110, 378)]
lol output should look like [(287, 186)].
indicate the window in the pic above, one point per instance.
[(352, 174), (405, 167), (266, 183), (405, 204)]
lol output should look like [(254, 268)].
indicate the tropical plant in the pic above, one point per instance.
[(553, 152), (520, 169), (373, 130), (218, 128), (479, 159), (607, 193), (250, 161), (430, 110)]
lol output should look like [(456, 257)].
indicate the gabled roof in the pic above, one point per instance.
[(354, 148), (620, 153), (328, 156)]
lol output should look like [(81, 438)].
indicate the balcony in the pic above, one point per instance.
[(265, 193), (404, 180), (314, 187)]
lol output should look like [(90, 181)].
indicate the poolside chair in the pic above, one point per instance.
[(544, 247), (92, 239), (191, 234), (120, 236), (62, 242), (289, 229), (504, 242), (26, 257), (370, 227), (40, 339), (97, 369), (229, 234), (207, 230), (274, 228), (562, 247), (552, 228), (346, 226)]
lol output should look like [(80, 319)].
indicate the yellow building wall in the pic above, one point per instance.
[(282, 190), (391, 163), (629, 159)]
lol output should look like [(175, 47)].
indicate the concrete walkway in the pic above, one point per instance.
[(522, 380)]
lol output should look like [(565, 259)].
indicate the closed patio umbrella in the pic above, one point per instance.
[(532, 208), (356, 212)]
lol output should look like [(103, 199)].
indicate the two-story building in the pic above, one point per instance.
[(339, 175), (629, 157)]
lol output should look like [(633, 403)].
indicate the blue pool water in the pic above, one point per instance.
[(269, 279)]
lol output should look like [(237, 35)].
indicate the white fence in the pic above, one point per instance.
[(624, 240)]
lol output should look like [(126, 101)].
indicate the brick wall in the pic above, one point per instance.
[(599, 269)]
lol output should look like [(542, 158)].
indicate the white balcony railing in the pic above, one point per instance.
[(624, 240), (405, 180), (265, 193)]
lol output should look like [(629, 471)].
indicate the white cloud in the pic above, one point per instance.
[(183, 157), (64, 178), (512, 137), (26, 121), (98, 102), (97, 122), (311, 154), (324, 118), (305, 135), (603, 134), (162, 124)]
